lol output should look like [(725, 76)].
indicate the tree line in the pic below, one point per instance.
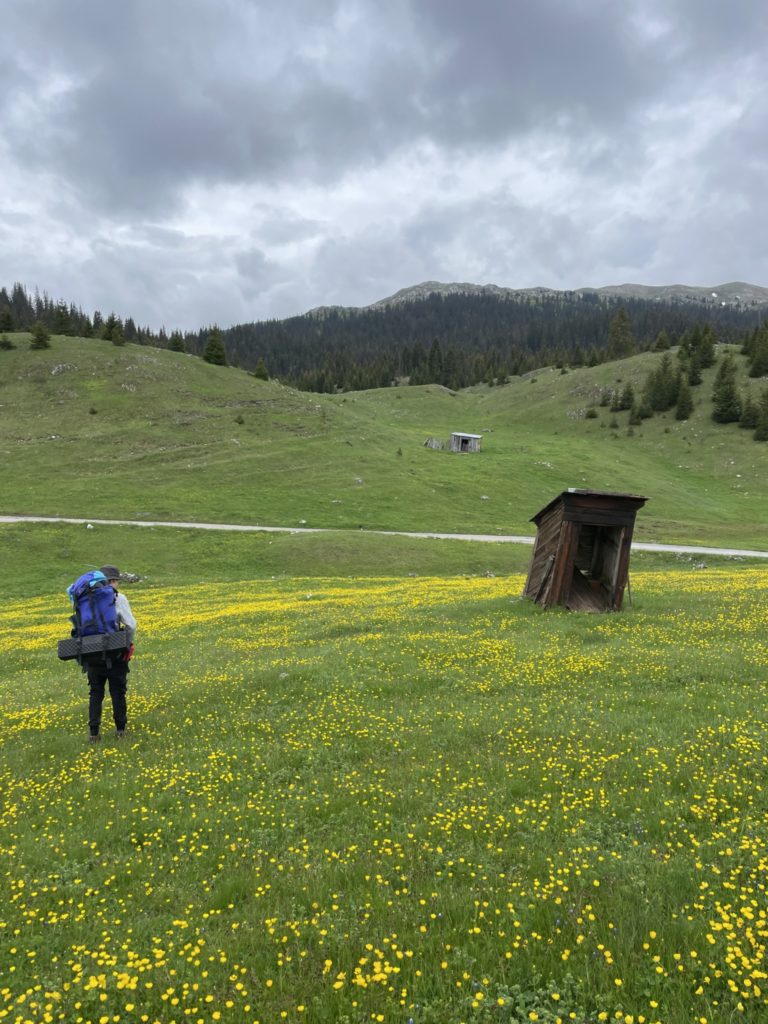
[(455, 340)]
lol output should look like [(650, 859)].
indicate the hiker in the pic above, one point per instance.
[(111, 668)]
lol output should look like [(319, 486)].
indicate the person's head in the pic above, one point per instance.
[(112, 573)]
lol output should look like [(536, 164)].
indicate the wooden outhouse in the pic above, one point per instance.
[(581, 554), (465, 442)]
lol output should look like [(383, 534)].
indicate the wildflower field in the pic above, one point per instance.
[(397, 800)]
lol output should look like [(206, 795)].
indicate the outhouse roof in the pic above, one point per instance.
[(599, 499)]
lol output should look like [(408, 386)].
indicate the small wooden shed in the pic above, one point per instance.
[(581, 554), (465, 442)]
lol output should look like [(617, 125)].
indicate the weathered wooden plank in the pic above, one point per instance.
[(562, 572)]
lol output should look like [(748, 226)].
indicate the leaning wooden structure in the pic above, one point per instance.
[(581, 554)]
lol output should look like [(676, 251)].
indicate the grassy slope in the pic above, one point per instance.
[(163, 441)]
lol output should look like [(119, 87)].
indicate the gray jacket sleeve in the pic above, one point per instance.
[(125, 616)]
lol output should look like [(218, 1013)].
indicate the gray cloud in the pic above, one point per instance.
[(202, 160)]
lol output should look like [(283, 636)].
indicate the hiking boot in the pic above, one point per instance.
[(120, 734), (95, 739)]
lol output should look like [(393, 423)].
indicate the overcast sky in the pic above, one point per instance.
[(189, 162)]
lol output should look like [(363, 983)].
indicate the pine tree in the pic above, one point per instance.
[(685, 346), (662, 343), (684, 406), (41, 336), (758, 366), (705, 347), (176, 342), (6, 319), (725, 397), (214, 351), (435, 362), (750, 414), (761, 431), (621, 341), (62, 323), (111, 325), (260, 370), (627, 399), (661, 386), (644, 409), (694, 370)]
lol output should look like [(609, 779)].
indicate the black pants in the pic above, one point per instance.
[(100, 673)]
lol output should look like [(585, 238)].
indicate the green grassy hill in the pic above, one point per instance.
[(90, 429)]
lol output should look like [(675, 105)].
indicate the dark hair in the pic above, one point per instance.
[(111, 572)]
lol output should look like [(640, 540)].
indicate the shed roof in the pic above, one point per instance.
[(463, 433), (600, 499)]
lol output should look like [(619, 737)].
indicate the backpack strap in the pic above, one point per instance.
[(77, 623)]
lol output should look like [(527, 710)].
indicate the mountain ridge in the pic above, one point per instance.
[(740, 294)]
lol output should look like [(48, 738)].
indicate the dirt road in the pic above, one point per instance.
[(483, 537)]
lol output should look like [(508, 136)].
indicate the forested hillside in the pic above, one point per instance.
[(453, 338), (459, 339)]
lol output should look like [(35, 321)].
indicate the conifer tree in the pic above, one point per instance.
[(627, 399), (644, 410), (684, 348), (111, 325), (6, 319), (62, 322), (694, 370), (435, 362), (621, 341), (750, 413), (662, 343), (758, 366), (214, 351), (706, 347), (176, 342), (661, 385), (761, 431), (41, 336), (684, 406), (260, 370), (725, 397), (635, 418)]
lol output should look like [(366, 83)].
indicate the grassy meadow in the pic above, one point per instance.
[(90, 429), (364, 780), (381, 798)]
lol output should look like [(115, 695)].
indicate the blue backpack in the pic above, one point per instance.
[(93, 600)]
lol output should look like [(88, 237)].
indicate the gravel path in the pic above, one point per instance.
[(485, 537)]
